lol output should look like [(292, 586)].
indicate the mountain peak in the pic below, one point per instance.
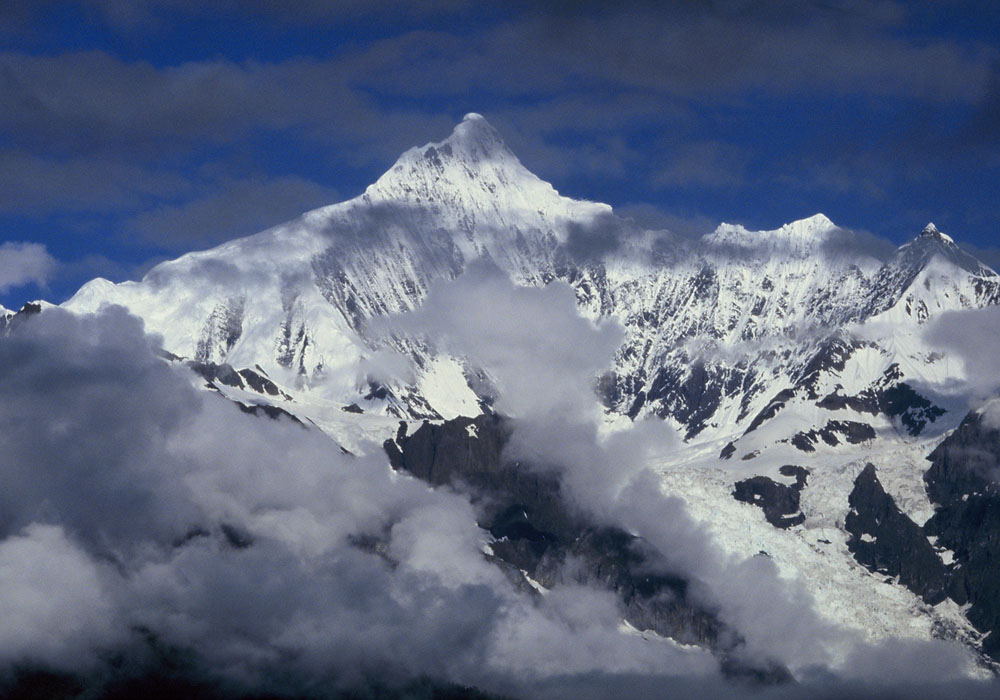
[(931, 244), (476, 138), (811, 224), (472, 165), (931, 231), (473, 143), (802, 237)]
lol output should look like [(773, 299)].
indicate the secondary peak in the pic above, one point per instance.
[(810, 225)]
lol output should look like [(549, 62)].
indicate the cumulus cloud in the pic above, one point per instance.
[(532, 340), (588, 242), (991, 414), (965, 334), (146, 509), (146, 483), (150, 512), (52, 600), (24, 263), (652, 217), (545, 358)]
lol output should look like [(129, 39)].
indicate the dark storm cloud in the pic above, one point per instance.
[(94, 102), (95, 98), (703, 164), (130, 16), (699, 50)]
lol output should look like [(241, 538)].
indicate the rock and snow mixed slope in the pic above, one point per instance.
[(764, 348), (715, 329)]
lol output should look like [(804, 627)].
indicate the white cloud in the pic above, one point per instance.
[(543, 355), (971, 335), (22, 263), (53, 603)]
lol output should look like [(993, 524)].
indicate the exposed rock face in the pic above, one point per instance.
[(832, 433), (540, 535), (966, 463), (962, 483), (885, 540), (780, 502), (892, 397), (247, 379), (272, 412)]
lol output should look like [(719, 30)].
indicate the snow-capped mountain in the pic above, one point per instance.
[(764, 348), (294, 299)]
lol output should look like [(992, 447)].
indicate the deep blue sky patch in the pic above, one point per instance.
[(134, 131)]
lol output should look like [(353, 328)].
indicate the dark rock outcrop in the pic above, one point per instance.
[(268, 411), (853, 432), (891, 397), (780, 502), (962, 483), (885, 540), (246, 379), (728, 451), (771, 409), (539, 533)]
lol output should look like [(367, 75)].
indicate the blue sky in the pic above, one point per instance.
[(132, 131)]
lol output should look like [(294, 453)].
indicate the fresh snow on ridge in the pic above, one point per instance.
[(797, 238)]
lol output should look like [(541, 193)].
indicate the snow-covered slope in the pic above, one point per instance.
[(765, 348), (294, 299), (740, 314)]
